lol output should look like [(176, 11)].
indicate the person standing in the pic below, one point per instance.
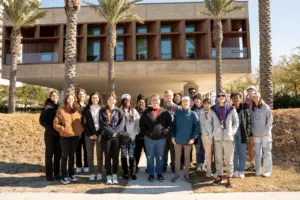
[(155, 123), (140, 145), (171, 108), (225, 124), (261, 127), (186, 129), (112, 124), (241, 136), (52, 140), (131, 129), (192, 93), (93, 134), (68, 122), (177, 99), (82, 101)]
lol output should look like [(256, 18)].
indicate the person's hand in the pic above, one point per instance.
[(192, 141), (173, 140), (93, 137)]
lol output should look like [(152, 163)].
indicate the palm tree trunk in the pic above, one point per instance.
[(15, 49), (111, 43), (218, 39), (70, 49), (265, 57)]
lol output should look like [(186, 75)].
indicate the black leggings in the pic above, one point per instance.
[(81, 145), (111, 150), (68, 146)]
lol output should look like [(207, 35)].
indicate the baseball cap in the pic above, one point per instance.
[(126, 96), (185, 98)]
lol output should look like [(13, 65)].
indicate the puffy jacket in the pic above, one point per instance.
[(47, 117)]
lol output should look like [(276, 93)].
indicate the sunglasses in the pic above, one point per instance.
[(222, 95)]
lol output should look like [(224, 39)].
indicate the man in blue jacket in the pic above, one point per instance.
[(186, 129)]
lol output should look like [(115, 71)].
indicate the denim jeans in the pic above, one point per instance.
[(200, 152), (239, 158), (263, 145), (155, 149)]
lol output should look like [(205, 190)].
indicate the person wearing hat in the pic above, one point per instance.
[(185, 130), (225, 125), (131, 129)]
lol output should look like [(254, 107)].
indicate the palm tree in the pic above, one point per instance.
[(114, 11), (217, 9), (265, 54), (72, 8), (21, 14)]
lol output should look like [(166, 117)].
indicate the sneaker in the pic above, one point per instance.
[(125, 176), (229, 183), (236, 174), (199, 168), (267, 174), (92, 177), (86, 169), (217, 181), (175, 177), (115, 179), (73, 178), (242, 175), (65, 181), (151, 178), (160, 177), (78, 170), (133, 177), (99, 177), (187, 178), (50, 178), (108, 180), (208, 174)]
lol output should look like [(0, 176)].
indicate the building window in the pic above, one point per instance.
[(119, 51), (141, 49), (46, 57), (120, 29), (190, 28), (141, 29), (166, 28), (166, 48), (94, 30), (93, 53), (190, 47)]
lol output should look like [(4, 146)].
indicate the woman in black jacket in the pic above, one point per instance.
[(52, 139), (91, 118), (241, 136)]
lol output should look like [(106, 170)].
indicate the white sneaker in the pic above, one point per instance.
[(78, 170), (92, 177), (199, 169), (73, 178), (108, 180), (208, 174), (267, 174), (242, 175), (236, 174), (99, 177), (65, 181), (86, 169), (115, 179)]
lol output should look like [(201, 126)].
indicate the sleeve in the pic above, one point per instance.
[(105, 127), (136, 121), (121, 123), (174, 126), (211, 123), (235, 122), (168, 123), (43, 119), (196, 127), (269, 121), (57, 123)]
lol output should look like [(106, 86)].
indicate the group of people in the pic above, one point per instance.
[(222, 131)]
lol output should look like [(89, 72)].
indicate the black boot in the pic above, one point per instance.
[(132, 170), (125, 168)]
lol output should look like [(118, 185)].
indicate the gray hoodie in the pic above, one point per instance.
[(261, 121), (206, 122), (132, 120)]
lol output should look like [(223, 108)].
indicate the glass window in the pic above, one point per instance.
[(141, 29), (119, 51), (93, 53), (46, 57), (120, 29), (166, 28), (190, 28), (166, 48), (190, 47), (141, 49), (94, 30)]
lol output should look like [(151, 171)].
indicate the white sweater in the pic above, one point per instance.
[(95, 109)]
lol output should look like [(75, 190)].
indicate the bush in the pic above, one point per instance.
[(282, 101)]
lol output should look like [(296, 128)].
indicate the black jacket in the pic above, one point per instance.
[(245, 122), (47, 116), (140, 135), (89, 126), (155, 128)]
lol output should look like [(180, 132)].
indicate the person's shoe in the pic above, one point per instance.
[(50, 178), (65, 181), (73, 178), (115, 179), (160, 177), (78, 170), (242, 175), (229, 183), (125, 176), (251, 168), (175, 177), (199, 168), (57, 178), (151, 178), (108, 180), (86, 169), (267, 174), (92, 177), (133, 177), (99, 177), (208, 174), (217, 181), (187, 178), (191, 165), (236, 174)]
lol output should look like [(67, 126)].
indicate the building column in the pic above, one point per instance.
[(187, 86)]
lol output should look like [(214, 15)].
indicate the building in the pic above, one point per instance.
[(172, 50)]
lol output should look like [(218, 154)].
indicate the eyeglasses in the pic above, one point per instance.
[(222, 95), (155, 100)]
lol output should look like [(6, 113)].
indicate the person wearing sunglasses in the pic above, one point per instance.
[(225, 125)]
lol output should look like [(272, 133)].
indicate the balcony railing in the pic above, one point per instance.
[(231, 53), (49, 57)]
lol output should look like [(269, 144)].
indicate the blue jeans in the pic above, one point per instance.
[(240, 150), (200, 152), (263, 148), (155, 149)]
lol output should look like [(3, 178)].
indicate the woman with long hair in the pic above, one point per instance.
[(177, 98)]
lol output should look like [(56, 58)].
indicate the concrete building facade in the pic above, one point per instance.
[(173, 49)]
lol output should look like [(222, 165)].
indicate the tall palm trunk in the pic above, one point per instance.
[(111, 42), (15, 48), (218, 39), (70, 49), (265, 57)]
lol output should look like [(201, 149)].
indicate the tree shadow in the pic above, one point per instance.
[(18, 168)]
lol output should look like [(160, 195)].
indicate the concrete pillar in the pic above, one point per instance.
[(187, 86)]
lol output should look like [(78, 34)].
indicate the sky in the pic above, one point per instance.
[(284, 23)]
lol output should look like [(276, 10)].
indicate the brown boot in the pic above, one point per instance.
[(229, 182)]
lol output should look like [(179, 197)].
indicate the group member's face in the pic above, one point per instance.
[(192, 93), (168, 98), (177, 98), (236, 100), (95, 99), (155, 101), (206, 106), (81, 96), (71, 100), (185, 104), (250, 92), (221, 98), (141, 104), (127, 102), (111, 101), (54, 97), (198, 102), (255, 100)]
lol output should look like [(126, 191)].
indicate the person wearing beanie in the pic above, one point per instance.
[(225, 125)]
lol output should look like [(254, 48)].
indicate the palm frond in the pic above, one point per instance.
[(219, 8)]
